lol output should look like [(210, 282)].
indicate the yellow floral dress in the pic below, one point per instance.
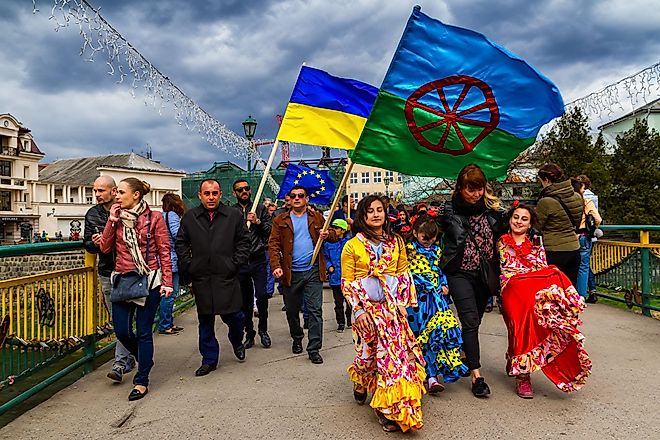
[(388, 361)]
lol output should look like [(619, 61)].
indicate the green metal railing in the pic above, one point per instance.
[(625, 260)]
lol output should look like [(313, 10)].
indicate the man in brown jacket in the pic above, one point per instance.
[(291, 246)]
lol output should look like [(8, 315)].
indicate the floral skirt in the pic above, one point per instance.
[(541, 310), (438, 335), (387, 365)]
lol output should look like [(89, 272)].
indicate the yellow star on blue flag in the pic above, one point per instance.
[(318, 183)]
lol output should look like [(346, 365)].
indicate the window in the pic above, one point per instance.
[(378, 177), (5, 200), (364, 195), (399, 178), (389, 175), (5, 168), (26, 172), (365, 177), (26, 145), (355, 196), (354, 178)]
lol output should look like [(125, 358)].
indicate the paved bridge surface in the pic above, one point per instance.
[(277, 395)]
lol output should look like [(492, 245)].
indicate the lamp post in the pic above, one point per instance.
[(387, 185), (249, 127)]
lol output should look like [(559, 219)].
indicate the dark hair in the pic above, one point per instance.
[(528, 208), (585, 181), (551, 172), (471, 177), (402, 208), (344, 199), (295, 187), (137, 185), (360, 221), (172, 202), (436, 203), (208, 180), (233, 185), (427, 225), (577, 185)]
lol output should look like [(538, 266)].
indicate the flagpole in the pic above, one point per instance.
[(262, 184), (344, 179), (348, 197)]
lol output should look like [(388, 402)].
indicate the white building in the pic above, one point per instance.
[(19, 156), (64, 191), (365, 180)]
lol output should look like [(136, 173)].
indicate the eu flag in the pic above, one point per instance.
[(318, 183)]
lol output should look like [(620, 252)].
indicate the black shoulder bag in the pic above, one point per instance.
[(132, 285), (488, 269)]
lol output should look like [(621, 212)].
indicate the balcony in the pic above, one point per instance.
[(9, 151), (12, 183)]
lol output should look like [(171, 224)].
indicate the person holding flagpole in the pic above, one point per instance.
[(378, 285), (472, 222), (290, 246)]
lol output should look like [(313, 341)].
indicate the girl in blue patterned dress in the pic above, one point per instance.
[(432, 322)]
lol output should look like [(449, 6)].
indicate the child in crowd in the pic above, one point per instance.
[(332, 252), (433, 323)]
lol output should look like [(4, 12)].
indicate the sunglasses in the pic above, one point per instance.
[(298, 196), (242, 189)]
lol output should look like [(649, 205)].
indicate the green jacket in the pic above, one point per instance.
[(558, 230)]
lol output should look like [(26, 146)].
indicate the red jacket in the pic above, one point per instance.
[(159, 244)]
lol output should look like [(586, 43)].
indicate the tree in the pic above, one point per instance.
[(635, 168), (569, 145)]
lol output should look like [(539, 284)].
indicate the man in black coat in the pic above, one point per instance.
[(105, 191), (212, 244), (253, 275)]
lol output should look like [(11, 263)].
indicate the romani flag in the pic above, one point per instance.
[(452, 97)]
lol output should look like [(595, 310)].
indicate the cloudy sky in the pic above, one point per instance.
[(240, 57)]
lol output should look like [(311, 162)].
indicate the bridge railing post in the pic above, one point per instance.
[(91, 286), (645, 253)]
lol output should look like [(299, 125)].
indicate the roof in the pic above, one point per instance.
[(84, 170), (651, 107)]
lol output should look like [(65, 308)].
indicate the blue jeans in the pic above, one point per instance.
[(123, 358), (166, 321), (306, 288), (583, 271), (141, 342), (270, 279)]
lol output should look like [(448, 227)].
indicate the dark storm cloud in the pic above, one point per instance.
[(238, 57)]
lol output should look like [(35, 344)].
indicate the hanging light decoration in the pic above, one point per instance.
[(128, 65)]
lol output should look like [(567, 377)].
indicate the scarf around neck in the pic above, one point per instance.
[(129, 221), (468, 209)]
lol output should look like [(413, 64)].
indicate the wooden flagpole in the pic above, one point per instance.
[(262, 184), (344, 179)]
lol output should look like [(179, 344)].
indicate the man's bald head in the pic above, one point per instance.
[(105, 191)]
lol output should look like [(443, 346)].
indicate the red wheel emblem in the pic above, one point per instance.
[(449, 117)]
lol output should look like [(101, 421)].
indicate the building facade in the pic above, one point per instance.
[(19, 157), (65, 189), (365, 180)]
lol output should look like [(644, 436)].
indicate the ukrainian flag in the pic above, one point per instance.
[(326, 110)]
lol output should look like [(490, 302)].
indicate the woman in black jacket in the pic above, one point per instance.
[(472, 223)]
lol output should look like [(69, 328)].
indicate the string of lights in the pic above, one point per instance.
[(128, 65)]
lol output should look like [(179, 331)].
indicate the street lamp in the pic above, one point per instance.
[(387, 184), (249, 127)]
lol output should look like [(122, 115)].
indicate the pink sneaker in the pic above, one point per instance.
[(524, 388), (434, 387)]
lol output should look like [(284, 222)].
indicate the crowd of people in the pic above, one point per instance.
[(394, 277)]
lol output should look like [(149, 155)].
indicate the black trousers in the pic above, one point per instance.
[(252, 278), (343, 315), (567, 261), (470, 297), (209, 347)]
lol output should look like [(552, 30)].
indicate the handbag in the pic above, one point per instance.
[(131, 285), (488, 269)]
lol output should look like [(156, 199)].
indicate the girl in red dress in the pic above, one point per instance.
[(540, 307)]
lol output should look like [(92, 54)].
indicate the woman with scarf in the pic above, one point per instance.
[(139, 239), (540, 307), (472, 223), (376, 282)]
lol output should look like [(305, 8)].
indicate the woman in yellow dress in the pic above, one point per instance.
[(378, 285)]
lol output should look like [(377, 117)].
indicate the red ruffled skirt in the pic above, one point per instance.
[(541, 311)]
